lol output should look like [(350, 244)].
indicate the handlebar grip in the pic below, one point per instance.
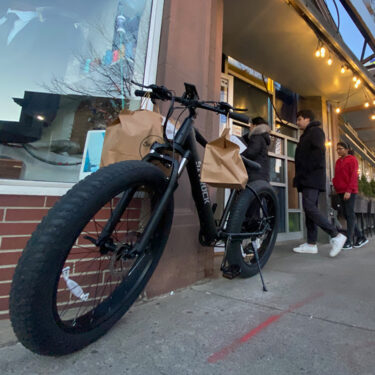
[(140, 92), (239, 117), (251, 164)]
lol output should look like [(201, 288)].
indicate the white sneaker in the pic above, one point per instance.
[(337, 244), (306, 248)]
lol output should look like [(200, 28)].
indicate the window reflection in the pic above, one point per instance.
[(286, 130), (255, 100), (277, 145), (65, 69), (277, 170)]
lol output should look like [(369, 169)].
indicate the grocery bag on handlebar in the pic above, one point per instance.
[(131, 135), (223, 165)]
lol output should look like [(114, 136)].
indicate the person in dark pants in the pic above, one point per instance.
[(310, 180), (257, 142), (345, 183)]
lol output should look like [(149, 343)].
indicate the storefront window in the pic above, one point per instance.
[(65, 69), (277, 145), (286, 130), (255, 100), (277, 170), (286, 103), (294, 221), (291, 149), (280, 192)]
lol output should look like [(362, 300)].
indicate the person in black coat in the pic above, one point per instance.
[(257, 142), (310, 180)]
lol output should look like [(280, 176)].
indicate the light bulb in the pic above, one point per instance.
[(329, 61), (355, 79), (373, 102), (338, 110), (373, 117), (367, 104), (322, 52), (317, 53), (343, 69), (328, 143)]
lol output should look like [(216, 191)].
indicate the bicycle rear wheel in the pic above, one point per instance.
[(67, 291), (247, 216)]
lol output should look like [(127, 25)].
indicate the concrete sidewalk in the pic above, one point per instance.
[(318, 317)]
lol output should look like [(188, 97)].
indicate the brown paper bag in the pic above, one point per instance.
[(222, 164), (131, 135)]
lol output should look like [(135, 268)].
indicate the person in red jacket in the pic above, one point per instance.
[(345, 183)]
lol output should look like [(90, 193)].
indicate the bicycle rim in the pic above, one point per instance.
[(94, 284)]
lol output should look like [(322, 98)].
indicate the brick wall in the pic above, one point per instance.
[(19, 216)]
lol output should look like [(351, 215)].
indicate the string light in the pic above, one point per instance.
[(322, 51), (338, 110), (343, 69), (372, 117), (317, 53), (357, 83), (355, 79), (367, 104), (329, 61)]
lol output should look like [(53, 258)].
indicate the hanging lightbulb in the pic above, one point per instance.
[(338, 110), (373, 117), (373, 102), (328, 144), (358, 82), (343, 69), (322, 51), (329, 61), (367, 104), (317, 53), (355, 79)]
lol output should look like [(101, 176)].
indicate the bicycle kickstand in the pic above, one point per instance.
[(255, 247)]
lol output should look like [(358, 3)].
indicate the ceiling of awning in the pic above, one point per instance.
[(271, 37)]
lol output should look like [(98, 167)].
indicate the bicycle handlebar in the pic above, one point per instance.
[(162, 93)]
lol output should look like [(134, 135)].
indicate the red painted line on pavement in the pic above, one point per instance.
[(221, 354)]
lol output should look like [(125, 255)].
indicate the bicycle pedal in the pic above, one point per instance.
[(231, 272)]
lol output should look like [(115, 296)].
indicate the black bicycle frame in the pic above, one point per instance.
[(185, 145)]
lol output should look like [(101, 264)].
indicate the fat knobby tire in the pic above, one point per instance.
[(34, 284), (237, 216)]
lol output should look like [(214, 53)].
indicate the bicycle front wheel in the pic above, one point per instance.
[(67, 291), (248, 216)]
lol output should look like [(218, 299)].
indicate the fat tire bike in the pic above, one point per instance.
[(93, 254)]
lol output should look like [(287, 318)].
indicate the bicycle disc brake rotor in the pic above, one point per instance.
[(120, 264)]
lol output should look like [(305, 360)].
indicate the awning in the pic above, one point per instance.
[(279, 37)]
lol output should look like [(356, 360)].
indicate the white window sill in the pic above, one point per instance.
[(20, 187)]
